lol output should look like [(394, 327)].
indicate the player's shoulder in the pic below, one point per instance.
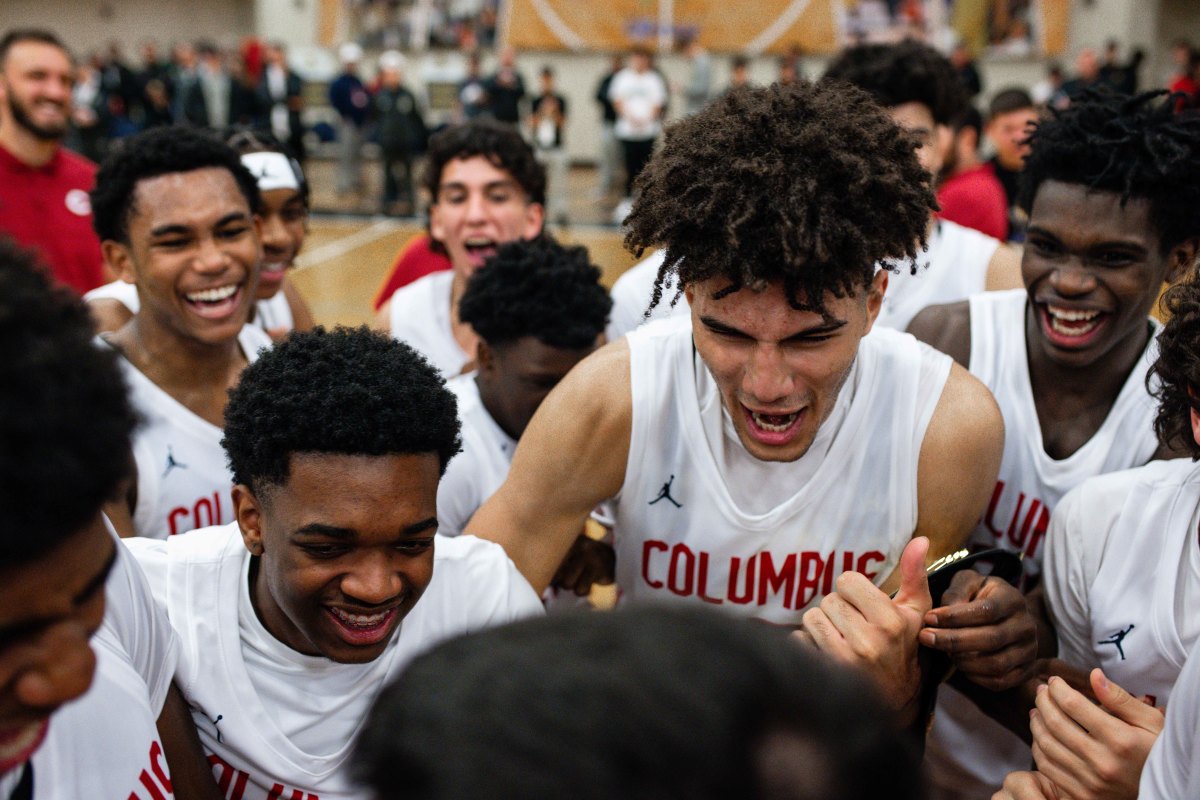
[(947, 328), (417, 294), (474, 577), (74, 165)]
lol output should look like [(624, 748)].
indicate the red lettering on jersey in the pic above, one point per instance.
[(158, 767), (747, 593), (172, 526), (204, 513), (810, 578), (864, 563), (294, 794), (703, 591), (225, 774), (157, 784), (651, 544), (776, 581), (682, 553), (1026, 527), (990, 516)]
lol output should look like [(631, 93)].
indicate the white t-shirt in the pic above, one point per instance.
[(952, 268), (968, 753), (642, 96), (183, 481), (476, 473), (1173, 769), (699, 519), (105, 744), (274, 312), (277, 722), (631, 296), (421, 319)]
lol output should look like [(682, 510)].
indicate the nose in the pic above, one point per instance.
[(767, 379), (58, 89), (55, 669), (476, 208), (1072, 278), (275, 237), (211, 258), (374, 580)]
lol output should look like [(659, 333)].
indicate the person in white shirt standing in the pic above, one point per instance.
[(294, 617), (78, 718), (639, 95)]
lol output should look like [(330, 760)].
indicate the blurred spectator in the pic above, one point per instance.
[(216, 86), (1121, 77), (1186, 81), (1087, 74), (1048, 91), (970, 193), (610, 148), (639, 95), (243, 97), (153, 69), (44, 189), (547, 125), (156, 104), (280, 99), (505, 89), (472, 90), (416, 259), (739, 72), (1181, 61), (89, 112), (188, 102), (1011, 117), (968, 73), (698, 89), (120, 85), (402, 134), (789, 71), (349, 97)]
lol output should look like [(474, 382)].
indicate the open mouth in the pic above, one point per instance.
[(272, 272), (1071, 327), (480, 250), (16, 747), (216, 303), (772, 429), (363, 629)]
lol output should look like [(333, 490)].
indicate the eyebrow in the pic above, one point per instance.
[(346, 534), (1040, 231), (825, 327), (176, 228), (504, 183)]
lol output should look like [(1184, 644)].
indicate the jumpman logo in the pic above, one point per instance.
[(217, 722), (665, 494), (1116, 639), (172, 463)]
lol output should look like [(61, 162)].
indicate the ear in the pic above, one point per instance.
[(943, 142), (485, 357), (875, 295), (1182, 259), (119, 260), (437, 230), (535, 217), (247, 510)]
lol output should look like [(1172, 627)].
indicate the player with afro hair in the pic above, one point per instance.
[(1177, 369), (710, 433), (539, 309)]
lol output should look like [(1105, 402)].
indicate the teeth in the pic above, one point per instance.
[(360, 620), (1070, 322), (478, 243), (213, 295), (273, 267), (771, 422), (1071, 315)]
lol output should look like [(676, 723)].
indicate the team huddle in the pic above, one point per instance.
[(251, 558)]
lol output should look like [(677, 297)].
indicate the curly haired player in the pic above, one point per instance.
[(775, 442)]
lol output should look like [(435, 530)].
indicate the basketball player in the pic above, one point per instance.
[(757, 453), (923, 95), (295, 616), (487, 188), (284, 214), (174, 211), (1173, 767), (648, 702), (77, 719), (1110, 189), (538, 309)]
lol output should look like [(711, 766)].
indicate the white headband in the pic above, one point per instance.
[(272, 171)]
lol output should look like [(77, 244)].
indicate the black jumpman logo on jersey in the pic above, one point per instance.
[(1116, 639), (217, 722), (172, 463), (665, 494)]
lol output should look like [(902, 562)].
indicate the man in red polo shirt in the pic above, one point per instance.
[(44, 188)]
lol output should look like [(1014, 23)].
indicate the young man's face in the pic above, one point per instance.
[(193, 252), (49, 608), (478, 208), (346, 550), (284, 226), (1007, 133), (35, 89), (1093, 270), (934, 139), (515, 377), (778, 370)]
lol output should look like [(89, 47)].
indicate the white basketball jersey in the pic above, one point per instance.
[(202, 579), (632, 293), (183, 482), (274, 312), (849, 504), (1173, 768), (476, 473), (105, 744), (968, 753), (421, 318), (953, 267), (1122, 564)]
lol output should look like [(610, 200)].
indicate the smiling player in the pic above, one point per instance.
[(1112, 187), (294, 617), (487, 189), (174, 211)]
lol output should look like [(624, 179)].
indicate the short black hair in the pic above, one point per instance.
[(904, 72), (537, 288), (808, 184), (650, 702), (40, 35), (500, 144), (256, 140), (969, 117), (1136, 146), (349, 391), (65, 418), (149, 154), (1176, 371), (1009, 100)]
